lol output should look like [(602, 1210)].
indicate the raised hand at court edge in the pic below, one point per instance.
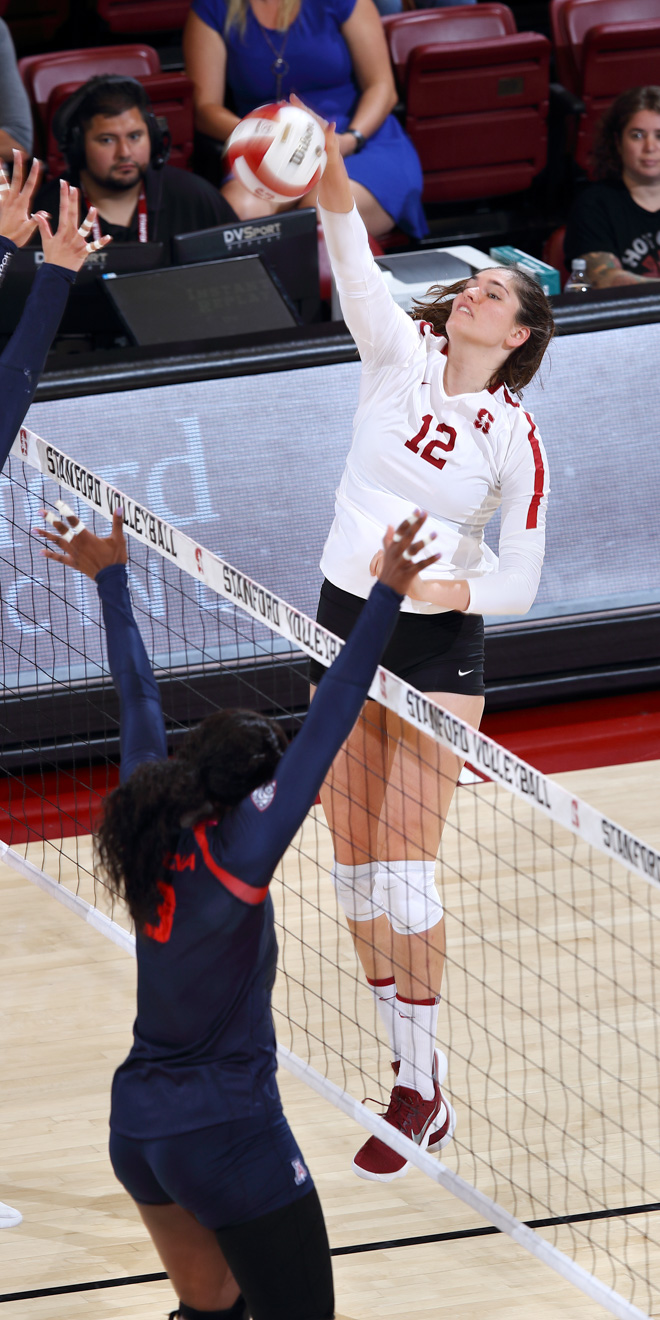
[(79, 548), (398, 567), (16, 219), (69, 246)]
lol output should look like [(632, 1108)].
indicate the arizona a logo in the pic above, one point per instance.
[(299, 1172)]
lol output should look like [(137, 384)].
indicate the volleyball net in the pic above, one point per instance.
[(549, 1016)]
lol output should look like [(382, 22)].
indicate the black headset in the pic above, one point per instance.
[(69, 133)]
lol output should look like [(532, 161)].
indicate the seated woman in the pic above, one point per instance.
[(331, 53), (615, 223)]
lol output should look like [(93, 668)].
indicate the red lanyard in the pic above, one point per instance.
[(143, 236)]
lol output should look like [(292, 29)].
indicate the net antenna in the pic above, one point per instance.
[(550, 998)]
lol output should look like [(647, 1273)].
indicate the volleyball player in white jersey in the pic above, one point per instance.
[(438, 426)]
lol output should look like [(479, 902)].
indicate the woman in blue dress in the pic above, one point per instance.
[(332, 54)]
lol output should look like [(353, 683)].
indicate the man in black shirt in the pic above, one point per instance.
[(116, 154), (615, 223)]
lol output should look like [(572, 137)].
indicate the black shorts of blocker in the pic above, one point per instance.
[(246, 1181), (433, 652), (225, 1174)]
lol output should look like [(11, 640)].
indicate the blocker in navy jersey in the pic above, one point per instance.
[(204, 1047)]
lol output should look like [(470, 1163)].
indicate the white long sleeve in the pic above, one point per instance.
[(458, 456), (381, 329)]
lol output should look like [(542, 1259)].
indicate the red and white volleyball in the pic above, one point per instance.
[(277, 152)]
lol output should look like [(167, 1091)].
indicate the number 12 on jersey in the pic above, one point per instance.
[(429, 451)]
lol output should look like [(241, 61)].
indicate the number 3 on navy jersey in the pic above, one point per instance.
[(429, 450)]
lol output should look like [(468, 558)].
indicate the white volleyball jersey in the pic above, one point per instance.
[(458, 456)]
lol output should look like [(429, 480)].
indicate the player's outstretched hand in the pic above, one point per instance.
[(397, 567), (332, 143), (16, 219), (68, 246), (79, 548)]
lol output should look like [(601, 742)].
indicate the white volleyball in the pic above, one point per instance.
[(277, 152)]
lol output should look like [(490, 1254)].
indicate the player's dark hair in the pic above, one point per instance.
[(535, 313), (606, 163), (219, 763)]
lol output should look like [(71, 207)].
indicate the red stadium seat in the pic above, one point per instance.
[(143, 15), (603, 48), (41, 73), (423, 26), (476, 99), (171, 95)]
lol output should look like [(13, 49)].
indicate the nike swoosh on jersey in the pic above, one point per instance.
[(463, 672)]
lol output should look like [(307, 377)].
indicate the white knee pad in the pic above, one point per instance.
[(408, 895), (355, 890)]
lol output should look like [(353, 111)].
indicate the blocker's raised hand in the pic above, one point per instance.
[(16, 219), (68, 246), (79, 548), (398, 567)]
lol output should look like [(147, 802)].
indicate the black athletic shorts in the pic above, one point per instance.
[(433, 652), (227, 1174), (246, 1181)]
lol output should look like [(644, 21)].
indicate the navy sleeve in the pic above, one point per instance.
[(22, 361), (142, 727), (253, 840)]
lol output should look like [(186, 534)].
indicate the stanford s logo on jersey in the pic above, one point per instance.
[(482, 421)]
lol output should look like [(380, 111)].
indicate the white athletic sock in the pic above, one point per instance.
[(417, 1029), (384, 993)]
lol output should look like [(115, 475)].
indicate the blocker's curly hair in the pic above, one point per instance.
[(219, 763), (535, 313)]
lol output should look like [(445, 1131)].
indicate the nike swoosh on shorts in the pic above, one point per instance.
[(463, 672)]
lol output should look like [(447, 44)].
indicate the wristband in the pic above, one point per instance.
[(360, 139)]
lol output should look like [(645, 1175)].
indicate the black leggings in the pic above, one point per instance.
[(281, 1262)]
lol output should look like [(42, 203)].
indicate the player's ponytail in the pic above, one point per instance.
[(219, 763)]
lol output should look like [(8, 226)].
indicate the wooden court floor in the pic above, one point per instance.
[(66, 1008)]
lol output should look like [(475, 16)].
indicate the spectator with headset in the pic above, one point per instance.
[(117, 154)]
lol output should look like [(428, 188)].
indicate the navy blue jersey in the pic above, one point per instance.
[(22, 361), (204, 1044)]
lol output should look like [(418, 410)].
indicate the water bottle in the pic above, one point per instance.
[(578, 280)]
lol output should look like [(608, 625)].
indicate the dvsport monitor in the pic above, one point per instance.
[(287, 244), (216, 300)]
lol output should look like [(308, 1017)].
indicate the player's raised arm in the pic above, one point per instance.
[(381, 329), (22, 361), (142, 728)]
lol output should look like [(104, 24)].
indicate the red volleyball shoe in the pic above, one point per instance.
[(429, 1123)]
